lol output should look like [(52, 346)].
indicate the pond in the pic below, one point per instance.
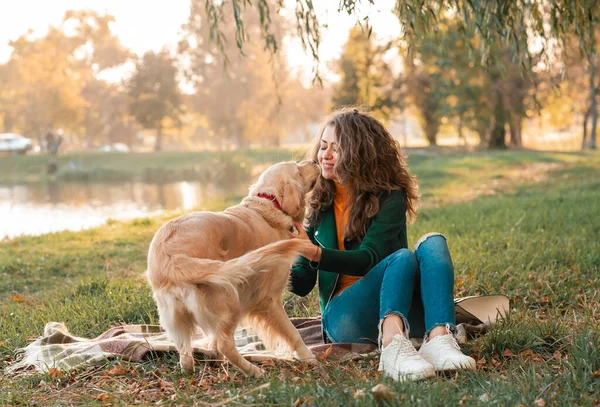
[(44, 208)]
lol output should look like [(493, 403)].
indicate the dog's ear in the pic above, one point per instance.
[(291, 199), (253, 189)]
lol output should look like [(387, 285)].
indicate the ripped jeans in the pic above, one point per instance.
[(416, 286)]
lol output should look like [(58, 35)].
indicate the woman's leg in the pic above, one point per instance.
[(437, 282), (396, 296), (387, 289), (384, 295), (437, 291)]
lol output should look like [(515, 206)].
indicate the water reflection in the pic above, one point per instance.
[(51, 207)]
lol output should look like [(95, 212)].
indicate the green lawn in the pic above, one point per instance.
[(522, 223)]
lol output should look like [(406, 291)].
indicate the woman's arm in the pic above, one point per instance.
[(303, 277), (386, 234)]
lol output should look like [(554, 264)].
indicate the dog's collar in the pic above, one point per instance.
[(272, 199)]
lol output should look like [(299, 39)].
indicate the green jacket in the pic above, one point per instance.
[(385, 235)]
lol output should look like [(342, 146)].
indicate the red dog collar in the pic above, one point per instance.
[(272, 199)]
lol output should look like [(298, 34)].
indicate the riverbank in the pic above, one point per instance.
[(521, 223), (142, 167)]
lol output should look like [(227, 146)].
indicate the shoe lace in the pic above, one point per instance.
[(449, 341), (403, 346)]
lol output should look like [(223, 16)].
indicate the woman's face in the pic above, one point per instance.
[(327, 154)]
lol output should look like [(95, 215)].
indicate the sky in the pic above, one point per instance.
[(159, 24)]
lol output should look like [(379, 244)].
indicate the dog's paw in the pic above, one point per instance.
[(256, 372), (311, 361)]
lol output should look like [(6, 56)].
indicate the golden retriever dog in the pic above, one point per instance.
[(214, 270)]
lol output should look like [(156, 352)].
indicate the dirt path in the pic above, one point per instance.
[(525, 174)]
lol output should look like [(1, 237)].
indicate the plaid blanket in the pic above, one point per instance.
[(59, 349)]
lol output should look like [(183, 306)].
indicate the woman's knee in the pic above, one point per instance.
[(403, 259), (431, 239), (432, 253)]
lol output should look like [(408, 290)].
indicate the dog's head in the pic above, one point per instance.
[(288, 182)]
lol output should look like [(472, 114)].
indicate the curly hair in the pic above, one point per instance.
[(370, 162)]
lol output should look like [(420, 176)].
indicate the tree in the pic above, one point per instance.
[(45, 79), (106, 117), (154, 92), (255, 98), (497, 23), (218, 94), (45, 84), (366, 78), (97, 47)]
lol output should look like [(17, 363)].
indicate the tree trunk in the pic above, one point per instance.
[(515, 131), (158, 143), (461, 135), (238, 136), (593, 106), (585, 123), (498, 132), (592, 144), (431, 133)]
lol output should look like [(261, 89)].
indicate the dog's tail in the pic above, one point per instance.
[(231, 273)]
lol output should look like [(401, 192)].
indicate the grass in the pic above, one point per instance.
[(522, 223)]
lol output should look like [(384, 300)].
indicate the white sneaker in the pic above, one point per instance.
[(400, 361), (444, 354)]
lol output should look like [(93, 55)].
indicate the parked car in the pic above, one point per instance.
[(14, 143), (116, 147)]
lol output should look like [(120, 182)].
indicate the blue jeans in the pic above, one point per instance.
[(419, 287)]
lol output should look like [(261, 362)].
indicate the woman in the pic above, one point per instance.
[(371, 287)]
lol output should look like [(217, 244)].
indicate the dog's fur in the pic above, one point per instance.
[(199, 279)]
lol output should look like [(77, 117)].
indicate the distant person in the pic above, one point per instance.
[(50, 139), (371, 287), (52, 144)]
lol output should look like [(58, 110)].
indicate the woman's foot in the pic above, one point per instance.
[(444, 354), (400, 361)]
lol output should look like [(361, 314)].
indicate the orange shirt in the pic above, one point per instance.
[(341, 211)]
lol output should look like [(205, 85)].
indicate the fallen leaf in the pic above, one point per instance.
[(485, 397), (165, 385), (224, 376), (303, 401), (507, 353), (103, 397), (326, 353), (539, 403), (17, 298), (557, 355), (54, 373), (116, 370), (381, 392)]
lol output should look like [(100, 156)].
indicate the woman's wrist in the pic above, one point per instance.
[(314, 254), (315, 258)]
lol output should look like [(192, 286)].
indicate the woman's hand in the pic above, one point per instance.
[(301, 232), (313, 254)]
